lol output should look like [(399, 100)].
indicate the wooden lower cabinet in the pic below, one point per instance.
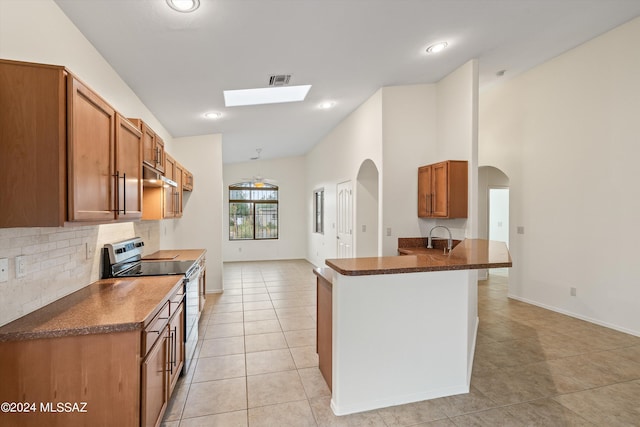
[(176, 346), (111, 379), (99, 373), (324, 319), (155, 390)]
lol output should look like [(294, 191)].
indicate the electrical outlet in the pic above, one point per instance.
[(388, 231), (21, 268), (520, 229), (364, 228), (4, 270), (573, 292), (89, 251)]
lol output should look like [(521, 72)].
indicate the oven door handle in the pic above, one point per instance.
[(194, 274)]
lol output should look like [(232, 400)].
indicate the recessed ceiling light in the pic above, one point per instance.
[(265, 95), (184, 5), (438, 47), (213, 115), (326, 105)]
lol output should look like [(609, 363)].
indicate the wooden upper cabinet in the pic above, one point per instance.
[(187, 181), (91, 145), (169, 191), (128, 170), (64, 151), (32, 145), (149, 154), (179, 178), (152, 146), (160, 154), (443, 190)]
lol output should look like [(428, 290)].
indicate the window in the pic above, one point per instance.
[(253, 211), (318, 209)]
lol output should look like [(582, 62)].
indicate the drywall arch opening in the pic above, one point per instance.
[(367, 202), (493, 209)]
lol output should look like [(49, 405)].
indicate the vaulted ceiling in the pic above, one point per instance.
[(180, 63)]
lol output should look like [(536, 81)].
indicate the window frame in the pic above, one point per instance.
[(251, 187), (318, 211)]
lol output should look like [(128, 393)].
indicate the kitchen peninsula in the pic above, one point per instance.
[(401, 329)]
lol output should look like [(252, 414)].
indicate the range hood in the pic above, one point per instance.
[(153, 178)]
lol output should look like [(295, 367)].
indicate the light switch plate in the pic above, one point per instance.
[(4, 270), (21, 268)]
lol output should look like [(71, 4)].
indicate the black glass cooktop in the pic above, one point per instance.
[(157, 268)]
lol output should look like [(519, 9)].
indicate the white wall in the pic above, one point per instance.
[(201, 224), (566, 134), (335, 159), (289, 176), (410, 141), (457, 137)]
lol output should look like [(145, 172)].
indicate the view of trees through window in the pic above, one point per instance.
[(253, 211)]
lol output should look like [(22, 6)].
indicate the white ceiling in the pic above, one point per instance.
[(179, 64)]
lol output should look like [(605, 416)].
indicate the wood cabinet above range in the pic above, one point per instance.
[(152, 146), (66, 154)]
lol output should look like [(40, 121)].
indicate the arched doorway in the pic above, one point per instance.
[(366, 227)]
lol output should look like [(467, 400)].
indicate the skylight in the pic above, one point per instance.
[(265, 95)]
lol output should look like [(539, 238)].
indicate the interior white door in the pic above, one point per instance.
[(345, 219)]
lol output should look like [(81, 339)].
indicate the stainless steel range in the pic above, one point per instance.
[(124, 259)]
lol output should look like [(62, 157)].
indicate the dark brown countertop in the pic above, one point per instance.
[(175, 255), (105, 306), (470, 254)]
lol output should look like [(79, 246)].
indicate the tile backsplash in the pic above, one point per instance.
[(59, 261)]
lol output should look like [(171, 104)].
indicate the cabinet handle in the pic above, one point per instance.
[(175, 346), (171, 350), (124, 193), (116, 192)]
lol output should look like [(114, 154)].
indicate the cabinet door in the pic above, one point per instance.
[(128, 170), (155, 383), (440, 190), (149, 154), (324, 327), (179, 175), (169, 191), (159, 149), (176, 350), (424, 191), (32, 145), (91, 128)]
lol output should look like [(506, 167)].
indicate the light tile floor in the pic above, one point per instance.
[(257, 365)]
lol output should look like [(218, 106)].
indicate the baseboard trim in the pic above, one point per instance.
[(576, 315)]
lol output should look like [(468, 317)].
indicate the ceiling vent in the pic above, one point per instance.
[(279, 80)]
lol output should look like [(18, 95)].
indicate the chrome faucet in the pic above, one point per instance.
[(449, 241)]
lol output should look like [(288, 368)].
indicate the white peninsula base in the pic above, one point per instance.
[(401, 338)]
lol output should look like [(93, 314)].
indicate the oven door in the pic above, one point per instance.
[(192, 315)]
